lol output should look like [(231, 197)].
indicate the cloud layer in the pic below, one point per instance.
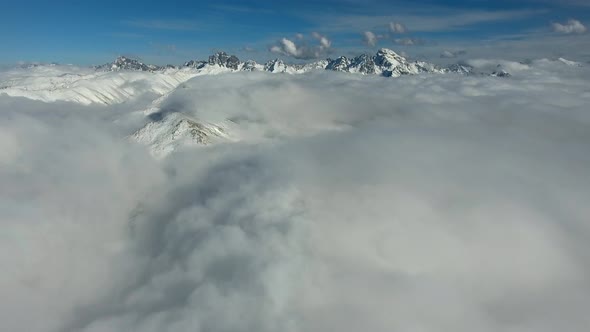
[(352, 203)]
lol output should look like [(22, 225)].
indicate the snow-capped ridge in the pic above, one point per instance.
[(385, 62), (126, 78), (275, 66), (122, 63), (175, 129), (341, 64), (223, 59)]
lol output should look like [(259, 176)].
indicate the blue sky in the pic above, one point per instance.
[(92, 32)]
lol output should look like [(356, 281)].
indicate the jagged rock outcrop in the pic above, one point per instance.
[(125, 63), (459, 68), (223, 59), (275, 66), (195, 64), (339, 64), (364, 64), (500, 73), (251, 65)]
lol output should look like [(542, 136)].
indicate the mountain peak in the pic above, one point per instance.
[(125, 63), (275, 66), (223, 59), (339, 64)]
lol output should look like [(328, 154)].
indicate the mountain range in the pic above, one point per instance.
[(385, 62)]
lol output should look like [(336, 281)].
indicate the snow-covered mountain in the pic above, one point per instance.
[(88, 86), (386, 63), (279, 66), (460, 68), (170, 131), (223, 59), (124, 63)]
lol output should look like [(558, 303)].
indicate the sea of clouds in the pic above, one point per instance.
[(348, 203)]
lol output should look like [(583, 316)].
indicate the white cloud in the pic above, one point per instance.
[(369, 38), (408, 41), (290, 47), (324, 41), (396, 27), (302, 50), (570, 27), (458, 203), (447, 54), (452, 54)]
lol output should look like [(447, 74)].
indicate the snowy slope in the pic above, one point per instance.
[(175, 130), (85, 86)]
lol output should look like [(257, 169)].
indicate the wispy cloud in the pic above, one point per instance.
[(452, 54), (569, 3), (129, 35), (424, 21), (369, 38), (160, 24), (164, 49), (249, 49), (409, 41), (242, 9), (396, 27)]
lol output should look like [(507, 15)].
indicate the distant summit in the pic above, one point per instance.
[(129, 64), (222, 59), (385, 63)]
